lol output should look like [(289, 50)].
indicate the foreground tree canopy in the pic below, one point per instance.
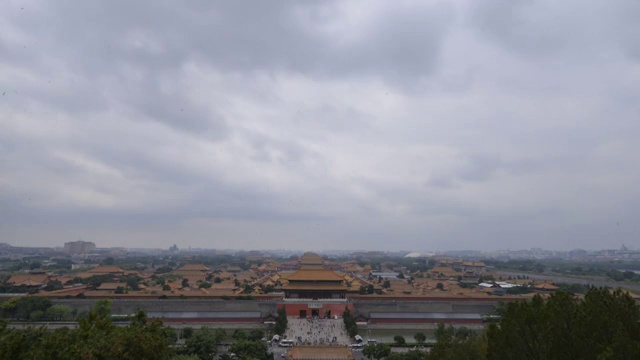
[(603, 325), (95, 338)]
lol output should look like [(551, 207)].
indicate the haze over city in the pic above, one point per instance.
[(416, 125)]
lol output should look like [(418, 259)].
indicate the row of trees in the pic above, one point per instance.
[(604, 324), (35, 309), (203, 343), (96, 337)]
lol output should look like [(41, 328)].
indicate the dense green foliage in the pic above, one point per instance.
[(377, 351), (603, 325), (399, 340), (454, 344), (95, 338), (202, 343), (420, 337), (248, 349), (281, 321), (349, 322), (98, 338), (35, 309), (366, 289), (520, 265)]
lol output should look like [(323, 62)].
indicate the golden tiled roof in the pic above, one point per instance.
[(28, 279), (193, 267), (314, 275), (291, 286)]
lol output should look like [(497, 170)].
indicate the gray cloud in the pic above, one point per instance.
[(420, 125)]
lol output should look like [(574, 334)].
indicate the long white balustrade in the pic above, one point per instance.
[(294, 300)]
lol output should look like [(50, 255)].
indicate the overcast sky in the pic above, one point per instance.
[(417, 125)]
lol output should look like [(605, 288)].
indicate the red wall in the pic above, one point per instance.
[(336, 309), (436, 298), (211, 320)]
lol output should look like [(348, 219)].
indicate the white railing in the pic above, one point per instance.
[(314, 300)]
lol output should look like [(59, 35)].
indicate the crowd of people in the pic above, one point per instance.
[(317, 331)]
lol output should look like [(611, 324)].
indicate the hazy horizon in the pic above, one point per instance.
[(421, 125)]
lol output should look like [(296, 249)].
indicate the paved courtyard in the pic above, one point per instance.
[(317, 332)]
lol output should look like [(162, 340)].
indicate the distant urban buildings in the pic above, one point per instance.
[(79, 247)]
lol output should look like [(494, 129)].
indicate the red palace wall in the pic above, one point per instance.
[(212, 320), (336, 309)]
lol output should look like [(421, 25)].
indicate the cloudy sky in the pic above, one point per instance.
[(417, 125)]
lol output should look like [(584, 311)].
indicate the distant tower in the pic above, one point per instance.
[(79, 247)]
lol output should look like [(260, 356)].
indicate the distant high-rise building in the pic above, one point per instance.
[(79, 247)]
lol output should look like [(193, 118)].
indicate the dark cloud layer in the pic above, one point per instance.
[(415, 125)]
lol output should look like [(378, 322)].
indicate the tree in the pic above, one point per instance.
[(53, 285), (440, 286), (255, 335), (23, 308), (603, 325), (9, 308), (187, 332), (133, 284), (142, 339), (202, 343), (454, 344), (59, 312), (246, 349), (239, 335), (349, 322), (102, 307), (163, 270), (220, 334), (386, 284), (281, 321), (420, 337), (399, 339), (94, 338), (185, 282), (377, 351)]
